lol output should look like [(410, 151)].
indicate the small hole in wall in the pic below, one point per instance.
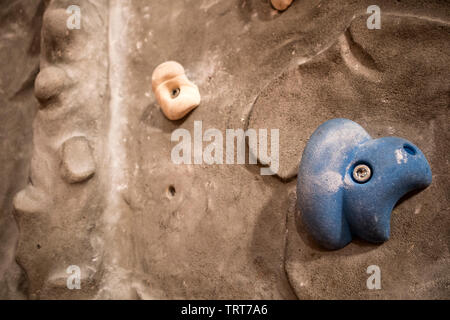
[(410, 149), (175, 93), (170, 192), (38, 246)]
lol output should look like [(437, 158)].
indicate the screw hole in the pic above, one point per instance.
[(38, 246), (410, 149), (175, 93), (170, 192)]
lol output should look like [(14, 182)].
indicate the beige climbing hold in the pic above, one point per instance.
[(77, 161), (281, 5), (175, 93), (49, 83)]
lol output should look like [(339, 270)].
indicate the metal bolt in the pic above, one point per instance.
[(362, 173)]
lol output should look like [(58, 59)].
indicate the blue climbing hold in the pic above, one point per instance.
[(348, 183)]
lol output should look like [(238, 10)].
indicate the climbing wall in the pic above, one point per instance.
[(104, 195)]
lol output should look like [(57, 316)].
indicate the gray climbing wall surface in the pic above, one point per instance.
[(91, 152)]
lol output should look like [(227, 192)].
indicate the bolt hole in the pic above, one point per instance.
[(170, 192), (410, 149), (38, 246), (175, 93)]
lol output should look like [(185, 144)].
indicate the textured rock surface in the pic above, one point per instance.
[(59, 220), (143, 227), (20, 24)]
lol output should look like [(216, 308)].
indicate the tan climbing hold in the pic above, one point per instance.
[(49, 83), (77, 161), (175, 93), (281, 5)]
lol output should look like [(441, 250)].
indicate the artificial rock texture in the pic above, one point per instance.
[(140, 226), (20, 25)]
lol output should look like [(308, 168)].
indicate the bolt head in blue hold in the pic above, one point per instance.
[(348, 183)]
